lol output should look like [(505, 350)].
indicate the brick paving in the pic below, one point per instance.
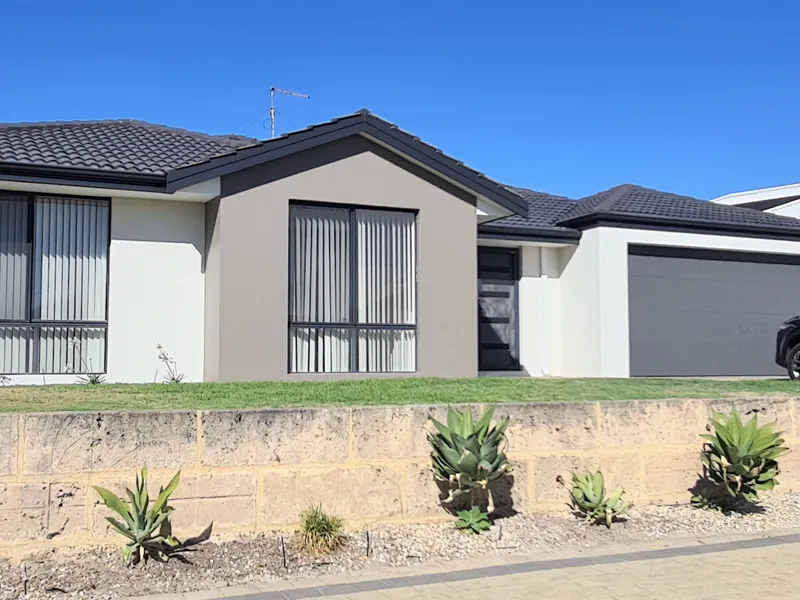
[(729, 569)]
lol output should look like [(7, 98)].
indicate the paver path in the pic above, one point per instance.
[(729, 569)]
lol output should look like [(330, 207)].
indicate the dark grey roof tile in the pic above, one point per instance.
[(117, 145), (633, 201)]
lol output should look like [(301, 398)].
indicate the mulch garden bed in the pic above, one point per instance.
[(98, 572)]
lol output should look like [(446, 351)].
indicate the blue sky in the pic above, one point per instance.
[(700, 97)]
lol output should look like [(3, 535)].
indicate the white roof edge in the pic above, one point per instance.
[(770, 193)]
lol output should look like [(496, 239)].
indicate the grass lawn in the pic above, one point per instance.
[(374, 391)]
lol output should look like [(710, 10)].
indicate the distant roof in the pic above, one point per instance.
[(632, 204), (119, 145), (762, 198)]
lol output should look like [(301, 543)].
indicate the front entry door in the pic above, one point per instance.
[(498, 323)]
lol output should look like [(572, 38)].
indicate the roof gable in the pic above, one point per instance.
[(360, 123)]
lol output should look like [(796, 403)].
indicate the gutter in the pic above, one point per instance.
[(76, 176), (532, 234)]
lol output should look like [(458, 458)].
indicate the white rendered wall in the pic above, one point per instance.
[(792, 209), (540, 311), (156, 288), (609, 343), (580, 307)]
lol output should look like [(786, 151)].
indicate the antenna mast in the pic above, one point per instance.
[(272, 92)]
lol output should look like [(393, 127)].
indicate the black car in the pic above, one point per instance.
[(787, 348)]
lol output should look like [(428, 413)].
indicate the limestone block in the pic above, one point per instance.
[(668, 474), (8, 443), (546, 427), (651, 422), (356, 493), (81, 442), (618, 469), (264, 437)]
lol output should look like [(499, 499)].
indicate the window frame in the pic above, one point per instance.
[(34, 325), (352, 325)]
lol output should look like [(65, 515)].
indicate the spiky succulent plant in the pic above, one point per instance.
[(473, 520), (589, 498), (467, 455), (739, 460), (147, 530)]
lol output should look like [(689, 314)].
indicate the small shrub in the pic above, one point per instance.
[(473, 520), (148, 532), (4, 380), (92, 379), (172, 375), (589, 498), (467, 455), (321, 533), (739, 460)]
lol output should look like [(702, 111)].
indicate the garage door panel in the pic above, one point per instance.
[(695, 317), (723, 327), (706, 299)]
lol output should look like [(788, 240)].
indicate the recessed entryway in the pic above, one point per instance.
[(498, 309)]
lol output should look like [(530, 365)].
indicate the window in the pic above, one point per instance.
[(53, 276), (352, 290)]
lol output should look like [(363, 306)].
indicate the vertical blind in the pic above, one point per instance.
[(57, 267), (352, 290)]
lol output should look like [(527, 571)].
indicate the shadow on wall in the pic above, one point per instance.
[(159, 221), (501, 494)]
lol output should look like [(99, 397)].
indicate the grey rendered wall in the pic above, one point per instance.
[(247, 261)]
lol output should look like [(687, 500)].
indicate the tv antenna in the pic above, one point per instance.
[(272, 92)]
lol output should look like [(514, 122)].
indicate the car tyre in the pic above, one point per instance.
[(793, 363)]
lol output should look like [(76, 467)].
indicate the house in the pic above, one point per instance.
[(780, 200), (354, 249)]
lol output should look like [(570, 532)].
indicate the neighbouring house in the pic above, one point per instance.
[(780, 200), (354, 249)]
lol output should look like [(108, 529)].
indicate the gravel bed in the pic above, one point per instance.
[(98, 573)]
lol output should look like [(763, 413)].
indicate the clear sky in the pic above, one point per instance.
[(697, 97)]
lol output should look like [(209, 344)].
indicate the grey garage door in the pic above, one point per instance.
[(699, 312)]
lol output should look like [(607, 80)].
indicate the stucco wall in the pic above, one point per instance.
[(540, 311), (248, 257), (249, 471), (155, 291), (611, 249)]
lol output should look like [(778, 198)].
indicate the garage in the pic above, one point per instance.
[(700, 312)]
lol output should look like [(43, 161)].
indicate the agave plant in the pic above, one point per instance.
[(473, 520), (739, 460), (467, 455), (589, 498), (148, 531)]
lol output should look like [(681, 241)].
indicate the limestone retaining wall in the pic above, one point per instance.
[(256, 470)]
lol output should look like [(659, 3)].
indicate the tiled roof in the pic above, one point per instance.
[(543, 209), (122, 145), (635, 202)]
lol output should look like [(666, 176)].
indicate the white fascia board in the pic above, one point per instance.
[(770, 193), (199, 192)]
